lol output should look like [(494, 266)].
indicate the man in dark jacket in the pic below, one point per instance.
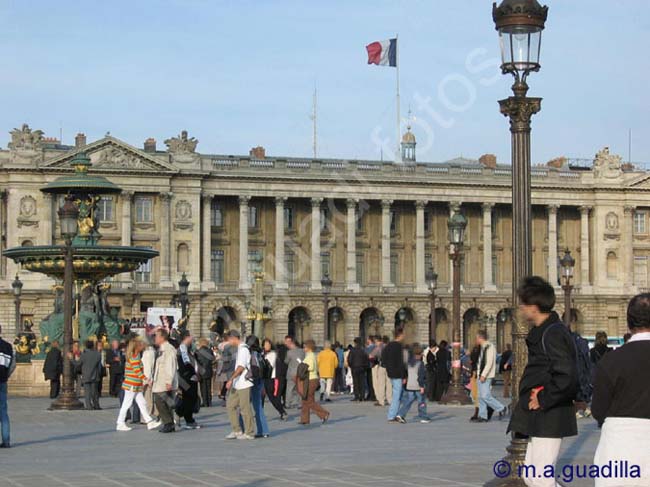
[(115, 360), (545, 412), (358, 362), (7, 367), (53, 368), (392, 357), (90, 363)]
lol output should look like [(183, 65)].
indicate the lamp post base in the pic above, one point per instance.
[(67, 401), (514, 459), (456, 396)]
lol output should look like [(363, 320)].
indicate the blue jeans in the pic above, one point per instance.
[(397, 397), (408, 398), (4, 413), (258, 407), (485, 399)]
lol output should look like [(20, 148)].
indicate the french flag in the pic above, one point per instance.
[(383, 53)]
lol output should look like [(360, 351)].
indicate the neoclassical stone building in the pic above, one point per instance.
[(374, 227)]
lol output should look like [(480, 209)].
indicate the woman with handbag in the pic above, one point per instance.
[(271, 383)]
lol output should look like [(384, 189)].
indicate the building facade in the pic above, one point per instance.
[(373, 227)]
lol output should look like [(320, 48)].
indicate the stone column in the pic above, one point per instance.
[(628, 247), (385, 243), (165, 241), (315, 244), (552, 245), (3, 195), (127, 198), (585, 283), (280, 269), (454, 207), (206, 237), (351, 283), (488, 278), (420, 277), (244, 281), (46, 219)]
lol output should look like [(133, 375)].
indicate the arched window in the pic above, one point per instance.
[(612, 265), (183, 257), (27, 243)]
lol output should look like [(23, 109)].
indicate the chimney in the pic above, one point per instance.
[(557, 163), (488, 160), (79, 140), (258, 152), (150, 145)]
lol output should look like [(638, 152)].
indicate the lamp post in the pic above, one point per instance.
[(326, 285), (568, 263), (17, 286), (68, 215), (183, 298), (249, 316), (432, 282), (456, 393), (520, 24)]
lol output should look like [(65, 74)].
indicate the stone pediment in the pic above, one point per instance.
[(113, 154)]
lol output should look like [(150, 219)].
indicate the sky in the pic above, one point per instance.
[(238, 74)]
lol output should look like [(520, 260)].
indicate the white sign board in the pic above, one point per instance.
[(166, 318)]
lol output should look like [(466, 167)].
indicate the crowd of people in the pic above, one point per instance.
[(163, 381)]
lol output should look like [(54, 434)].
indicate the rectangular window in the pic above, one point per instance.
[(324, 219), (288, 218), (428, 263), (255, 262), (393, 222), (144, 209), (359, 222), (640, 271), (105, 209), (427, 221), (325, 264), (216, 214), (394, 271), (495, 226), (360, 269), (143, 273), (290, 266), (640, 222), (216, 266), (495, 269), (253, 217)]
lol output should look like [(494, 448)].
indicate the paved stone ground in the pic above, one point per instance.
[(357, 448)]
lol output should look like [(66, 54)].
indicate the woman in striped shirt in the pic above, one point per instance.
[(132, 386)]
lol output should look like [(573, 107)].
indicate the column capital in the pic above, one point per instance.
[(454, 206), (487, 206), (629, 209), (316, 201), (420, 204), (552, 208), (386, 204), (585, 209), (207, 197), (46, 196), (351, 203), (244, 200), (280, 200), (166, 196), (127, 195)]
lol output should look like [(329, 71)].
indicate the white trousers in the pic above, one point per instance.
[(129, 396), (540, 453), (326, 387)]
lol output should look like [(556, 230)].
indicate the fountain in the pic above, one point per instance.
[(92, 263)]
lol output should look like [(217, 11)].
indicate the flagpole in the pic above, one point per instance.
[(398, 153)]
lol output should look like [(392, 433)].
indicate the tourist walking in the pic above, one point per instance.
[(621, 400), (545, 411), (115, 362), (393, 359), (430, 365), (442, 370), (359, 363), (272, 383), (309, 387), (259, 370), (53, 368), (414, 388), (473, 381), (205, 358), (339, 374), (7, 367), (485, 372), (188, 380), (327, 364), (165, 380), (238, 398), (148, 360), (90, 364), (294, 356), (132, 386), (505, 369), (379, 377)]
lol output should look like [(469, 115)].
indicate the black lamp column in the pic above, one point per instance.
[(568, 263), (17, 286), (432, 281), (326, 285)]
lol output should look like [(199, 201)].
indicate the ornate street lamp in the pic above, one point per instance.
[(568, 263), (456, 393), (183, 298), (432, 283), (17, 286), (520, 24), (326, 285), (249, 316), (68, 215)]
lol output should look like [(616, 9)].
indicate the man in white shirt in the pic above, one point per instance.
[(485, 371), (239, 391)]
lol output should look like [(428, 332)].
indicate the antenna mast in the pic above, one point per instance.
[(313, 119)]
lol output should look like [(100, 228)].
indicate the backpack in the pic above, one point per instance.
[(582, 361), (260, 367), (303, 371)]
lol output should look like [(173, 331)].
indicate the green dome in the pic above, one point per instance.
[(80, 181)]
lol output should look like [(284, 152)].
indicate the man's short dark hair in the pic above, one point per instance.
[(233, 334), (535, 291), (482, 334), (163, 333), (90, 345), (289, 337), (638, 311)]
